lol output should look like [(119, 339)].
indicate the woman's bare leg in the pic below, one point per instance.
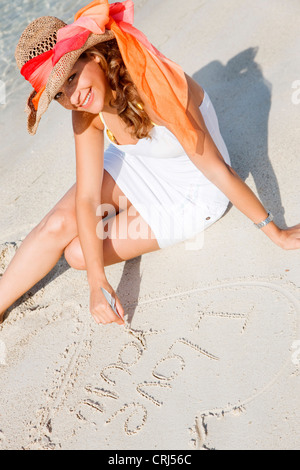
[(40, 251), (45, 244), (116, 248)]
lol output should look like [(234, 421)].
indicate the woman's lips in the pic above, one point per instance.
[(88, 100)]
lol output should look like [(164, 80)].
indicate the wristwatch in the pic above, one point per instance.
[(266, 221)]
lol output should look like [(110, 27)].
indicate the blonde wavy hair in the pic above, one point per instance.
[(128, 101)]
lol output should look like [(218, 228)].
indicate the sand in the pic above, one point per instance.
[(210, 354)]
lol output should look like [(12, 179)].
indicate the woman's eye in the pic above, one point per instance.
[(71, 78), (58, 95)]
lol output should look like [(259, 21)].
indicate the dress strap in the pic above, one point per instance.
[(109, 134), (102, 119)]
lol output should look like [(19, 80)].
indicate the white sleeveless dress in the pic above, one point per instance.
[(172, 195)]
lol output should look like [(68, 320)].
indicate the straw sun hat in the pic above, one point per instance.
[(41, 36)]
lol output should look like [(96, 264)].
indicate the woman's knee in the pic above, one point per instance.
[(74, 256), (58, 224)]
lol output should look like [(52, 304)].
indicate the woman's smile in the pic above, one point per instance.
[(88, 100)]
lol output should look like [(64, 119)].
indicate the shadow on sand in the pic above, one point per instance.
[(242, 100)]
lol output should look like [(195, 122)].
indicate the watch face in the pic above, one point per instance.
[(266, 221)]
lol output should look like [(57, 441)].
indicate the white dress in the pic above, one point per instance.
[(172, 195)]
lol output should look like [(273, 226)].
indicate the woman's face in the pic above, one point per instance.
[(86, 88)]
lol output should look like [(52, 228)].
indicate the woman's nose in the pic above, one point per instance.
[(74, 97)]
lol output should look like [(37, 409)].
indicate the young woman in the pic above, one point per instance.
[(167, 170)]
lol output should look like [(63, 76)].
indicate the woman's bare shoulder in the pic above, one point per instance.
[(196, 92), (83, 121)]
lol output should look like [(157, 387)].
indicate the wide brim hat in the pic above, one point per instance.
[(41, 36)]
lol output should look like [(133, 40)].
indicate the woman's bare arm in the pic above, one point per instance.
[(89, 143)]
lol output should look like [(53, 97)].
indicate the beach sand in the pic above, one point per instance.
[(210, 354)]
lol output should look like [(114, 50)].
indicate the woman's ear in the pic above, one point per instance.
[(93, 57)]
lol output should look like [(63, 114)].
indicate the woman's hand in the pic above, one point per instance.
[(289, 239), (100, 308)]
